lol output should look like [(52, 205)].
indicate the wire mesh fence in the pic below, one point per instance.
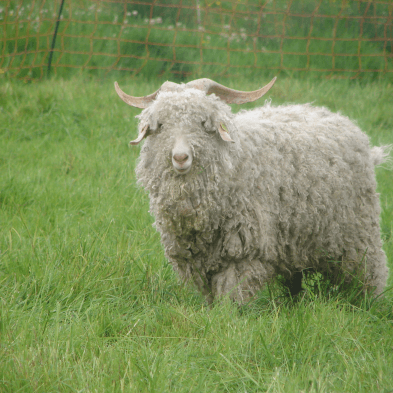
[(333, 38)]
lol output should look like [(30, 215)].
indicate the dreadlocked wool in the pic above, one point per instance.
[(295, 191)]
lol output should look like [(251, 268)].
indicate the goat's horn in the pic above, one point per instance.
[(138, 102), (228, 95)]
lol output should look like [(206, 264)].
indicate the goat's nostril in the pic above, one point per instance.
[(180, 158)]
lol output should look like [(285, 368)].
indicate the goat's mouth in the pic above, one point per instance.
[(182, 171)]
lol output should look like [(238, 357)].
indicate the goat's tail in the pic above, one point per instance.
[(381, 155)]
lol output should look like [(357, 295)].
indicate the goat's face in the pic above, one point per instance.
[(182, 144), (184, 129)]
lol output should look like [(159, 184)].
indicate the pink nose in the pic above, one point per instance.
[(180, 158)]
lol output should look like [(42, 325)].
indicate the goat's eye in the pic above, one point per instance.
[(207, 126), (158, 129)]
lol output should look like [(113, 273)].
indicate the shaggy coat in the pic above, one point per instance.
[(295, 191)]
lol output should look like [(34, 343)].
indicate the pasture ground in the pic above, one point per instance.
[(88, 302)]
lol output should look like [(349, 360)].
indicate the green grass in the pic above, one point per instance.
[(88, 302)]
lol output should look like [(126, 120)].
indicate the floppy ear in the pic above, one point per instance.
[(223, 130), (142, 134), (220, 127)]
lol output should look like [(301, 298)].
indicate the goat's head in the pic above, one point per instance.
[(177, 115)]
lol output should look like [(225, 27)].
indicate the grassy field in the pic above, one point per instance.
[(88, 302)]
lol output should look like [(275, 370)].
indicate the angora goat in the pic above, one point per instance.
[(241, 198)]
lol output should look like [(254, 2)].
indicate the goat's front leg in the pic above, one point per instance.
[(240, 281)]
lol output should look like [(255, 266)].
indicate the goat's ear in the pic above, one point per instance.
[(143, 134), (223, 130)]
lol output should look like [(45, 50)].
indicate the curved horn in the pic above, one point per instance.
[(228, 95), (138, 102)]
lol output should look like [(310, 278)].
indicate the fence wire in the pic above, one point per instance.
[(335, 38)]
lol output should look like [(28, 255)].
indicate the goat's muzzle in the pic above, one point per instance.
[(181, 157)]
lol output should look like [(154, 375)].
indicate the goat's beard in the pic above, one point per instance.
[(186, 204)]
